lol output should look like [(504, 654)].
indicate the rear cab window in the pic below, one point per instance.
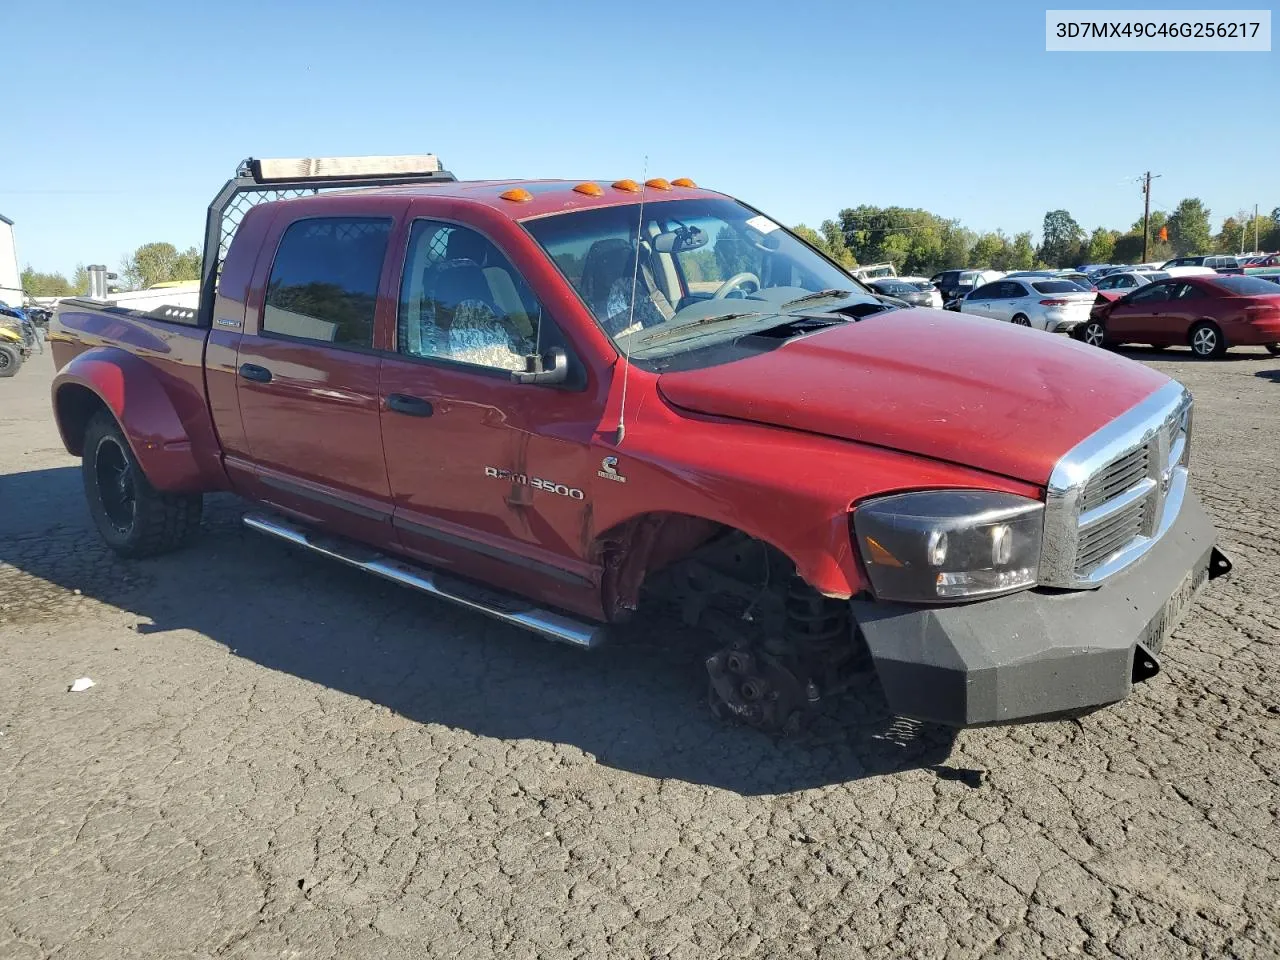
[(324, 281)]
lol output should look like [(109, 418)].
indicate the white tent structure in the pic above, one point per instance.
[(10, 279)]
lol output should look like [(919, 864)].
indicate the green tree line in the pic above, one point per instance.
[(919, 242), (151, 263), (915, 241)]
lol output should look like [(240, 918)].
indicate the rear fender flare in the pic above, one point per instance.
[(128, 387)]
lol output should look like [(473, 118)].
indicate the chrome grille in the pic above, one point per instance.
[(1114, 495), (1103, 539), (1116, 478)]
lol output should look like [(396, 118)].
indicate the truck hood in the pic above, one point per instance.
[(970, 390)]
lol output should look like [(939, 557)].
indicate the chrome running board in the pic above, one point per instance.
[(500, 606)]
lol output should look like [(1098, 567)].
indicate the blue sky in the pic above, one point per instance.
[(127, 117)]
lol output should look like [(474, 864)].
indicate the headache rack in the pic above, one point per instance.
[(258, 181)]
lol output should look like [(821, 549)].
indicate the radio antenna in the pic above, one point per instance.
[(631, 315)]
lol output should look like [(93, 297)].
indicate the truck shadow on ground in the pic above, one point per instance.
[(638, 705)]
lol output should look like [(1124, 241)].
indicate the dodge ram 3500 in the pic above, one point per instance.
[(548, 401)]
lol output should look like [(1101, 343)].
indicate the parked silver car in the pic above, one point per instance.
[(1122, 283), (1057, 306)]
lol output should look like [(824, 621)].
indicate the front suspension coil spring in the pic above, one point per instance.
[(814, 620)]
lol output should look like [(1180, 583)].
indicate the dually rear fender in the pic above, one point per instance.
[(107, 378)]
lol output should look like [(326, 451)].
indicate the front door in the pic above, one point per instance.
[(490, 477), (1137, 318), (307, 377)]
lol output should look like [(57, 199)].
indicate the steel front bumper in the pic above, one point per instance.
[(1039, 653)]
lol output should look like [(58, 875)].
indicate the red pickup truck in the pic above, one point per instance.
[(550, 401)]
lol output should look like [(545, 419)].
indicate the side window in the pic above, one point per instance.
[(1187, 291), (983, 293), (1152, 293), (461, 300), (324, 281), (1012, 290)]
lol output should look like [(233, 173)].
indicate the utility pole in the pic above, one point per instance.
[(1146, 211), (1255, 228)]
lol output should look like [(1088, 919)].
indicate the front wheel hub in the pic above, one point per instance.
[(757, 689)]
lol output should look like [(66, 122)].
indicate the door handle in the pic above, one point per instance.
[(251, 371), (412, 406)]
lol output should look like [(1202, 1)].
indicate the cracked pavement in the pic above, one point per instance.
[(283, 758)]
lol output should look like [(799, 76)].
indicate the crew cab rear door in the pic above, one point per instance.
[(489, 477), (307, 368)]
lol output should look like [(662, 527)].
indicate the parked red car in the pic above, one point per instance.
[(1210, 314)]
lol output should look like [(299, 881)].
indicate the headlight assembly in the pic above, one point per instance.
[(940, 546)]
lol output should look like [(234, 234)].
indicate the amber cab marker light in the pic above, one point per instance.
[(590, 189), (517, 195), (657, 183), (628, 185), (683, 182)]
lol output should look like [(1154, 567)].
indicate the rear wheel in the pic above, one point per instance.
[(1020, 320), (1094, 333), (1273, 349), (134, 518), (1207, 341), (10, 361)]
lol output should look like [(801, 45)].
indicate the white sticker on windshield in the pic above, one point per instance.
[(762, 223)]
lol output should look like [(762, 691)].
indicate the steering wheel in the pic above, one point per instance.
[(737, 280)]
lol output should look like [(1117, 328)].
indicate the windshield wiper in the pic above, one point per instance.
[(659, 335), (818, 295)]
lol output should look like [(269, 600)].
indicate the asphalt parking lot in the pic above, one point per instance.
[(281, 758)]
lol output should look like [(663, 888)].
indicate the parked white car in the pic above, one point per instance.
[(1122, 283), (1057, 306), (1190, 271)]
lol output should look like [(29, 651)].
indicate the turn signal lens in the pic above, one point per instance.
[(657, 183), (630, 186), (518, 195), (683, 182), (590, 189)]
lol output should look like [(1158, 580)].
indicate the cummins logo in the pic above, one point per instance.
[(609, 470)]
